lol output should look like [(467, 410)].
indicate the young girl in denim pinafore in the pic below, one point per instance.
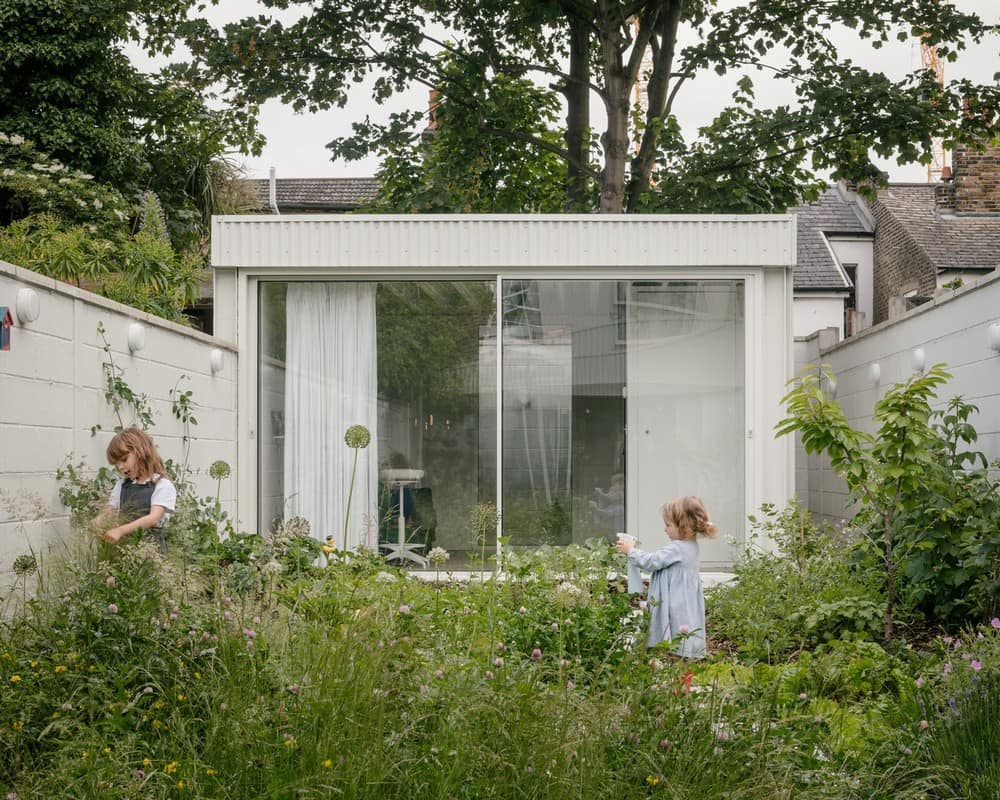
[(143, 497)]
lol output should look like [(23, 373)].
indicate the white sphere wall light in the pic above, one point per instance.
[(216, 360), (917, 360), (136, 337), (27, 305), (995, 336), (875, 373)]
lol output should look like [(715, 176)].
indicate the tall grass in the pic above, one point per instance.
[(358, 681)]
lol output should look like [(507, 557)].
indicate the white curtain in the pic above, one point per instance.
[(331, 383)]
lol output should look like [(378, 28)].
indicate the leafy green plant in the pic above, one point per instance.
[(119, 395), (793, 587), (182, 407), (926, 500)]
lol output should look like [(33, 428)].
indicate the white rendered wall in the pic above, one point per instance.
[(53, 393), (861, 252), (815, 311), (953, 329)]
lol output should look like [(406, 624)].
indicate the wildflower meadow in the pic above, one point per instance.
[(272, 665), (242, 670)]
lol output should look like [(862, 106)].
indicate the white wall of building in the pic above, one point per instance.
[(860, 251), (953, 329), (52, 394), (816, 311), (759, 250)]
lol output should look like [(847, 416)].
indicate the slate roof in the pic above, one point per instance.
[(829, 215), (952, 241), (317, 195)]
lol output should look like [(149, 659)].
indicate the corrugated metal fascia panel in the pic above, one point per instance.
[(496, 242)]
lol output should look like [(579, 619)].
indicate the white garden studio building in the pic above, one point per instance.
[(577, 371)]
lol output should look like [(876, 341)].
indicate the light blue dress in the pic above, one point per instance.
[(675, 596)]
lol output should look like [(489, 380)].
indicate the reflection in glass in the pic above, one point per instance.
[(616, 396), (563, 413), (401, 358)]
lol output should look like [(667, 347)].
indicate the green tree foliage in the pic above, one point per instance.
[(928, 503), (452, 167), (68, 85), (750, 157), (72, 228)]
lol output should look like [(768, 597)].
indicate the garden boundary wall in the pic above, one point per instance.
[(956, 328), (52, 392)]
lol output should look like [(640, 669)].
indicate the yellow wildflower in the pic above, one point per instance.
[(15, 678), (210, 771), (327, 762), (180, 695), (652, 780), (171, 768), (147, 763), (17, 726), (59, 669), (180, 784)]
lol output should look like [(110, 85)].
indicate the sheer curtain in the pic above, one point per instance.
[(331, 383)]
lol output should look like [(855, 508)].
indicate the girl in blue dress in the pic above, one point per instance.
[(676, 599)]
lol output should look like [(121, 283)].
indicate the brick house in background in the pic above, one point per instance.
[(929, 235)]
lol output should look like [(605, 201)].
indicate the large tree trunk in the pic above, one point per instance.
[(615, 141), (664, 42), (577, 91)]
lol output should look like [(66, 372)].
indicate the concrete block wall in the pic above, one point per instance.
[(953, 329), (52, 393)]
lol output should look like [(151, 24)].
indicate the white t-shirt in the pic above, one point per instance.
[(164, 494)]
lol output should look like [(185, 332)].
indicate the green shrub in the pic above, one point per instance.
[(799, 593)]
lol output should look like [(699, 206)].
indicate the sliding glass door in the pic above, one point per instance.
[(613, 397)]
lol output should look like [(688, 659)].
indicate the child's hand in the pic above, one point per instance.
[(114, 534), (625, 546)]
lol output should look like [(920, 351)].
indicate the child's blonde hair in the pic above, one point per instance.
[(690, 517), (133, 440)]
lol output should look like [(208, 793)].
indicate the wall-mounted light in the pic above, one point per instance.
[(216, 360), (831, 387), (136, 337), (27, 305), (917, 359), (875, 373), (995, 336)]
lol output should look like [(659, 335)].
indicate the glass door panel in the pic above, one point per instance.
[(685, 356)]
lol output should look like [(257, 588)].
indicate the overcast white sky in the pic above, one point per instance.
[(296, 142)]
